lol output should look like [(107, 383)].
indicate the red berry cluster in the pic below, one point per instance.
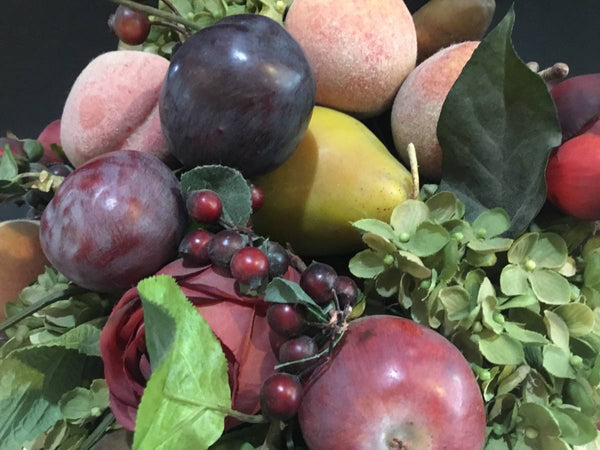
[(281, 394)]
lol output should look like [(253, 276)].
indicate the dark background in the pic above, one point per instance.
[(44, 44)]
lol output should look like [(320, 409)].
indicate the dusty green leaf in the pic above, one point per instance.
[(429, 238), (413, 265), (408, 215), (366, 264), (557, 361), (519, 251), (378, 243), (480, 259), (585, 431), (524, 335), (578, 317), (376, 227), (513, 380), (550, 287), (388, 282), (493, 222), (550, 251), (513, 280), (456, 301), (557, 329), (442, 207), (494, 244), (502, 349), (539, 418)]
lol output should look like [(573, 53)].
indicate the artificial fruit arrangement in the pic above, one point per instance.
[(197, 170)]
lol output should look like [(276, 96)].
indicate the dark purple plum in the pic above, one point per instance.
[(114, 220), (578, 103), (238, 93)]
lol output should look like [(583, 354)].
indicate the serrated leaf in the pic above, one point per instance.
[(442, 207), (502, 349), (176, 410), (366, 264), (557, 361), (557, 329), (513, 280), (513, 380), (456, 301), (578, 317), (489, 146), (519, 251), (408, 215), (280, 290), (550, 287), (228, 183), (429, 238), (523, 335), (376, 227), (549, 251), (494, 221)]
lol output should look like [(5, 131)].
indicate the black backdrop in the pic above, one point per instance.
[(44, 44)]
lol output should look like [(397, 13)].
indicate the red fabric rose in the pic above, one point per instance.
[(239, 322)]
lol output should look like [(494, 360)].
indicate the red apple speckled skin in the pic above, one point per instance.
[(393, 381), (114, 221), (113, 105), (360, 51)]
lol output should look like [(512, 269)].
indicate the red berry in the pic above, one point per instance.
[(286, 319), (249, 266), (280, 396), (194, 247), (204, 206), (346, 291), (224, 245), (317, 281), (131, 27), (296, 349), (257, 196)]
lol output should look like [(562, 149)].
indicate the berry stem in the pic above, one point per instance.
[(273, 438), (414, 170), (171, 6), (189, 24), (295, 261), (172, 26)]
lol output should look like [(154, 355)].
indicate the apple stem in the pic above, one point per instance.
[(189, 24), (273, 438), (35, 307), (414, 170)]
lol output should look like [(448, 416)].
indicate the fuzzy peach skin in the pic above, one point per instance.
[(417, 106), (359, 50), (21, 258), (113, 105)]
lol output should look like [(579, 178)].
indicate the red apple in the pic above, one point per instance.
[(50, 135), (393, 384)]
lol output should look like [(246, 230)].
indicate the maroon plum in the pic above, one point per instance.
[(578, 103), (238, 93), (114, 220), (392, 383)]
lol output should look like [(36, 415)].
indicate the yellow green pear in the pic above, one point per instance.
[(339, 174)]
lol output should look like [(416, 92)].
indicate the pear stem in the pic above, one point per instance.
[(414, 170)]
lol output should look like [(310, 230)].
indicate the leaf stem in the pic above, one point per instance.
[(31, 309), (171, 6), (249, 418), (414, 170), (104, 425), (171, 26), (189, 24)]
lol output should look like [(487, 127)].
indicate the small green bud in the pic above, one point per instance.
[(556, 401), (481, 233), (530, 265), (576, 361), (475, 338), (458, 236), (388, 260), (498, 317), (425, 284), (498, 429), (96, 411), (190, 15), (574, 293), (485, 375), (280, 6), (477, 327), (404, 236), (531, 433)]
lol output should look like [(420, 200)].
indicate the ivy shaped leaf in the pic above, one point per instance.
[(497, 111), (189, 382)]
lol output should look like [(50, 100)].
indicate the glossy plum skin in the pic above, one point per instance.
[(113, 221), (280, 396), (392, 380), (578, 103), (238, 93)]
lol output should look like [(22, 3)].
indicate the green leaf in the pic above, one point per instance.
[(412, 264), (408, 215), (84, 338), (450, 261), (521, 301), (8, 165), (513, 380), (502, 349), (557, 361), (490, 245), (480, 259), (539, 418), (376, 227), (178, 406), (493, 222), (521, 248), (586, 430), (160, 342), (557, 329), (228, 183), (524, 335), (366, 264), (591, 274), (442, 207), (388, 282), (429, 238), (460, 227), (81, 403), (488, 306), (550, 287), (550, 251), (33, 149), (379, 243), (578, 317), (497, 111), (456, 301), (280, 290), (33, 380), (513, 280)]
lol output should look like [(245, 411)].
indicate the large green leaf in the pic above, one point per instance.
[(498, 125), (502, 349), (366, 264), (179, 408)]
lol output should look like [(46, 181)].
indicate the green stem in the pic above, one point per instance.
[(95, 436), (191, 25), (311, 358), (31, 309), (221, 409), (171, 6)]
